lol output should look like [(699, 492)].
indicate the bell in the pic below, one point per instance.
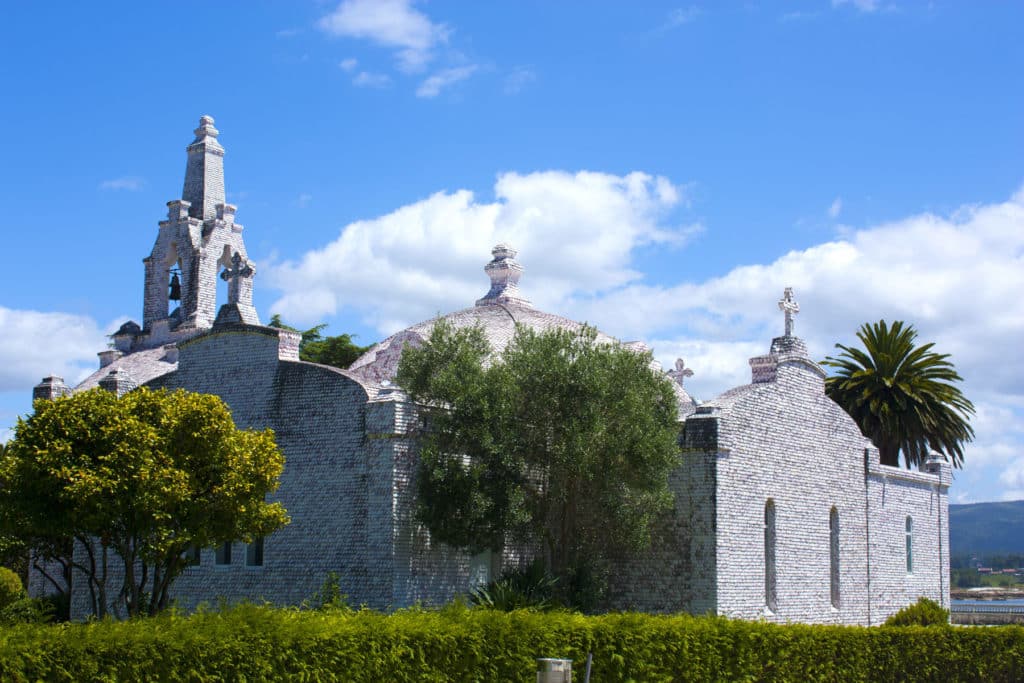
[(175, 294)]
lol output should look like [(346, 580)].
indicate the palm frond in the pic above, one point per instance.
[(903, 397)]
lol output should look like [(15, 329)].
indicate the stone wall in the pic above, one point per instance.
[(783, 440), (424, 572), (895, 494), (677, 572), (318, 415)]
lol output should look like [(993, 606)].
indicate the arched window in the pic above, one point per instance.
[(833, 555), (910, 545), (770, 595)]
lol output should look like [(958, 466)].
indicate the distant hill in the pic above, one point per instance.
[(987, 528)]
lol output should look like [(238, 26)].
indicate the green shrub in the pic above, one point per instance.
[(255, 643), (59, 605), (526, 588), (329, 597), (924, 612), (11, 588), (28, 611)]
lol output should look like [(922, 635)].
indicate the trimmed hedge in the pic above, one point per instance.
[(253, 643)]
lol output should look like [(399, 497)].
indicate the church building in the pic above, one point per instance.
[(782, 509)]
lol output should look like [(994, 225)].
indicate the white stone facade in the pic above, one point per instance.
[(348, 482), (781, 441)]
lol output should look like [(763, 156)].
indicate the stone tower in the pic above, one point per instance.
[(198, 242)]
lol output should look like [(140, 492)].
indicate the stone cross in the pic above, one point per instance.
[(233, 276), (789, 307), (681, 372), (237, 269)]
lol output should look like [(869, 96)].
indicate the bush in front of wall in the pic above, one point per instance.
[(924, 612), (458, 643), (11, 588)]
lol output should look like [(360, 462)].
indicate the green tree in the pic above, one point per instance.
[(902, 396), (14, 554), (561, 442), (339, 351), (137, 480)]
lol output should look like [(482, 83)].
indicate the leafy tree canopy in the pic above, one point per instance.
[(560, 442), (902, 396), (145, 477), (339, 351)]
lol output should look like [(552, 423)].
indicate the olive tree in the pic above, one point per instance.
[(561, 442)]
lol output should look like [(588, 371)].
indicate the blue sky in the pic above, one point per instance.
[(665, 170)]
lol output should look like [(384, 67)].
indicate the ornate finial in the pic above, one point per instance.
[(504, 272), (789, 308), (503, 251), (681, 372), (206, 128)]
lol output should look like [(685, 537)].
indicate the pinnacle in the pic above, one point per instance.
[(206, 129)]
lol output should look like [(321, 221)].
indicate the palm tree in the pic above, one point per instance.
[(901, 396)]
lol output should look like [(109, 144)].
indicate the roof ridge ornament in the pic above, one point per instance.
[(789, 308), (681, 372), (504, 272)]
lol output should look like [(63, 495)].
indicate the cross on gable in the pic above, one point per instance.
[(237, 269), (789, 308), (681, 372)]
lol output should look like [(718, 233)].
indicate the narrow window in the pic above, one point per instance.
[(192, 556), (254, 553), (770, 597), (833, 555), (910, 545), (224, 553), (480, 569)]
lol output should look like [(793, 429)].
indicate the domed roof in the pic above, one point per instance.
[(497, 313)]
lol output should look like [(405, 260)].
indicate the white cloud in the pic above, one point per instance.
[(574, 232), (368, 79), (962, 498), (348, 64), (433, 86), (797, 16), (518, 79), (956, 277), (860, 5), (679, 16), (390, 23), (1013, 476), (36, 344), (129, 183), (716, 364), (835, 208)]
